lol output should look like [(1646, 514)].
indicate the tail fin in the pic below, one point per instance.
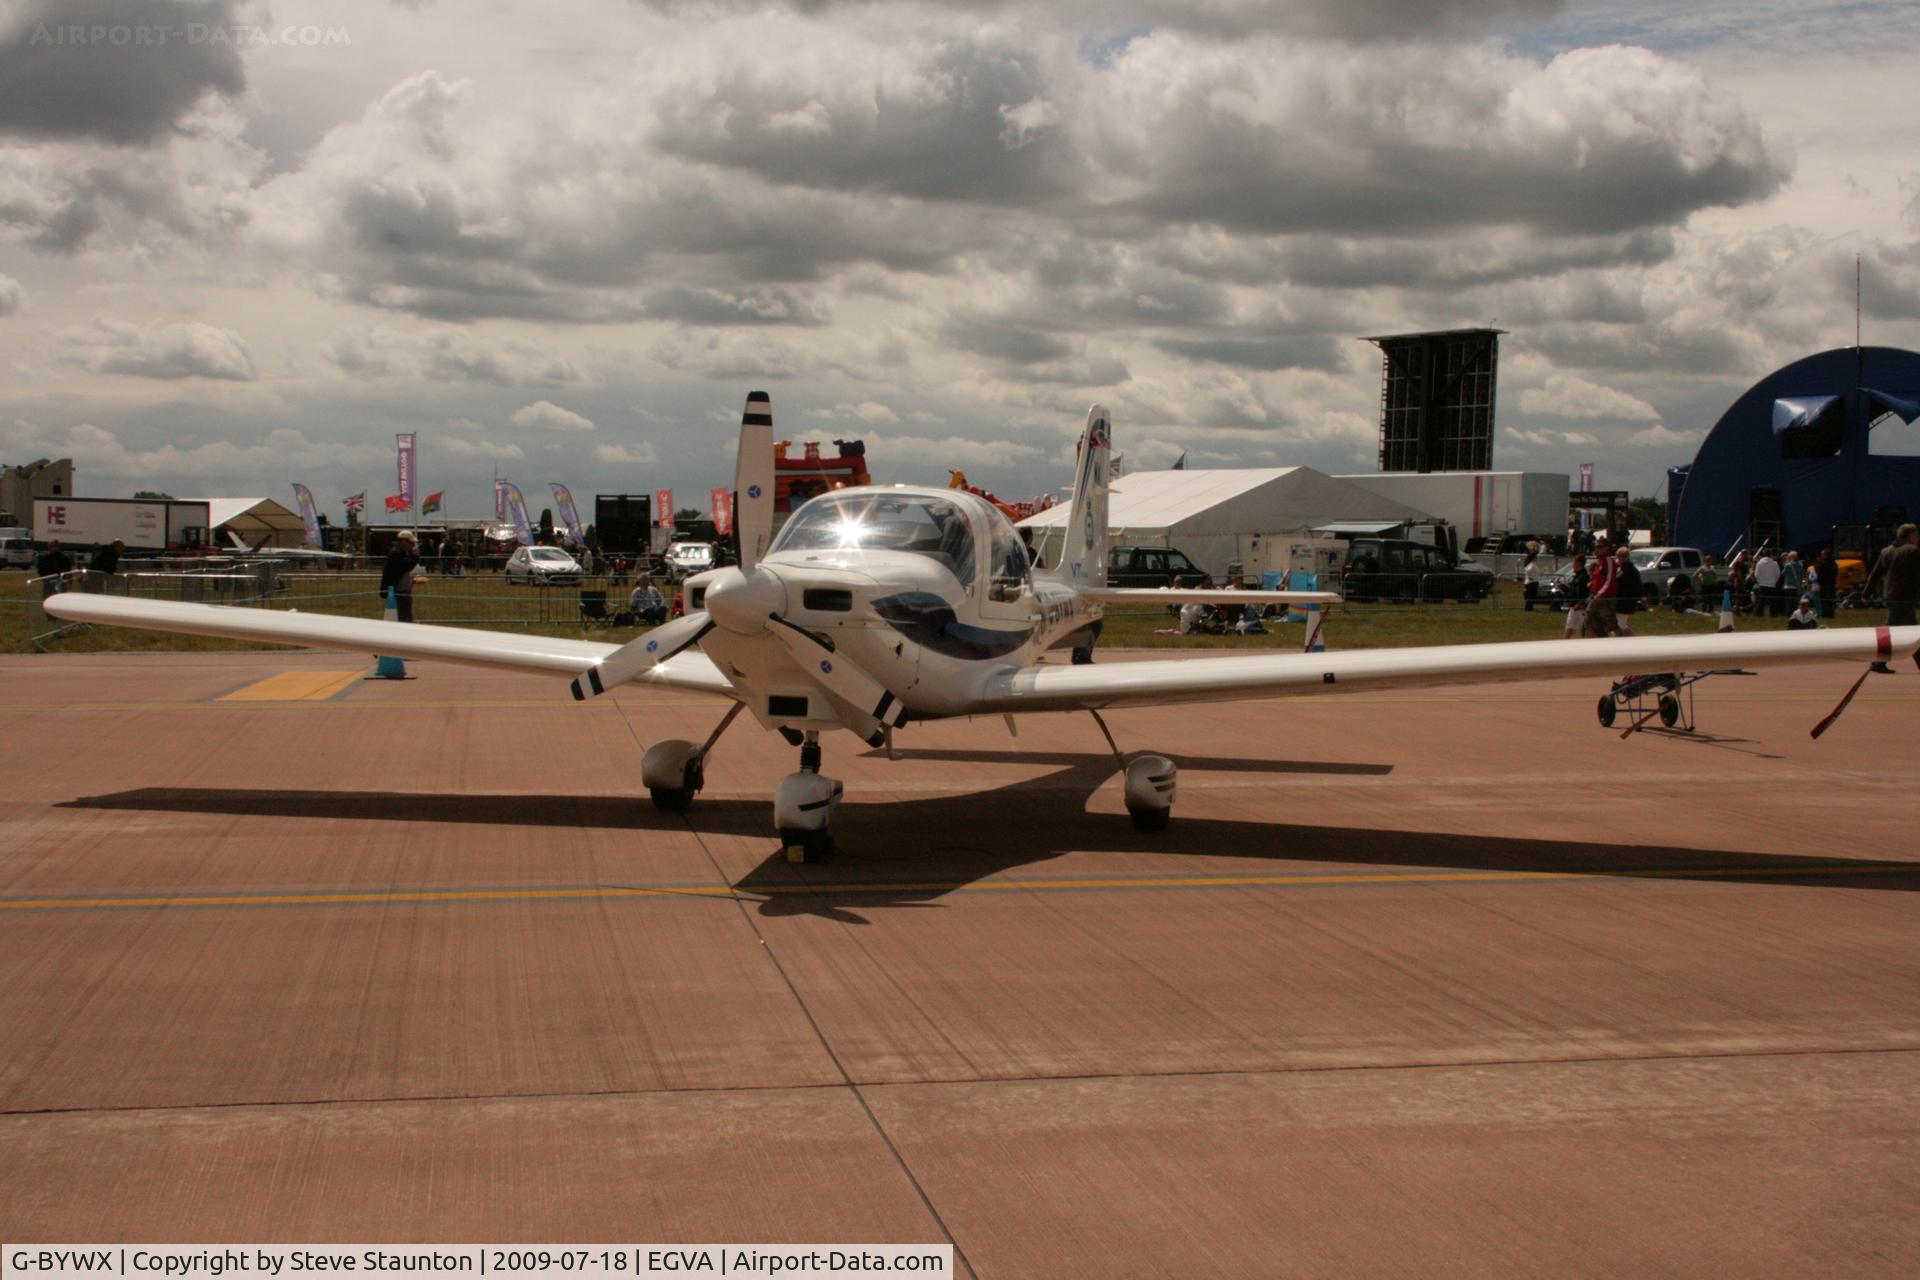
[(1083, 556)]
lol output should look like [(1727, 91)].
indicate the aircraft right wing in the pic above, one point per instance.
[(1205, 595), (1277, 675), (497, 649)]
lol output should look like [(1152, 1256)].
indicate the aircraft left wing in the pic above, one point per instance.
[(500, 650), (1277, 675)]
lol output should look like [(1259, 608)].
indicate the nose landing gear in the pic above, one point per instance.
[(803, 805)]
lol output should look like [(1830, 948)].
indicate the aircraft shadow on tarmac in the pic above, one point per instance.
[(912, 851)]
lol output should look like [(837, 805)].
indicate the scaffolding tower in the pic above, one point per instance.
[(1436, 400)]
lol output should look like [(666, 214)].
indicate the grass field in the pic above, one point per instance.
[(485, 601)]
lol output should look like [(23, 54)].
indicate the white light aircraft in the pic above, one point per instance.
[(884, 605), (265, 552)]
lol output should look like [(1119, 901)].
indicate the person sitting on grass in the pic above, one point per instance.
[(1804, 618)]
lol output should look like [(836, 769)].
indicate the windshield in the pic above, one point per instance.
[(548, 553), (1645, 559), (937, 528)]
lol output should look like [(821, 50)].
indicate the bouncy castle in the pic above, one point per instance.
[(797, 479)]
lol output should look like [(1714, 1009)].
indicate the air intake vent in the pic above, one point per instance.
[(786, 707), (697, 598), (827, 600)]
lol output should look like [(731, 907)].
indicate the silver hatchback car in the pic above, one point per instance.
[(542, 566)]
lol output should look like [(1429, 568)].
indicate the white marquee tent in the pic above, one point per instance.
[(1219, 517)]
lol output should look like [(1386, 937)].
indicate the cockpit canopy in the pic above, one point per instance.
[(964, 537)]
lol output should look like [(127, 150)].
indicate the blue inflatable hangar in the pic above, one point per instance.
[(1825, 441)]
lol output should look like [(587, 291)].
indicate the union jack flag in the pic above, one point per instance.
[(358, 502)]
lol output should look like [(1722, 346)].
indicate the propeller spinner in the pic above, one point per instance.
[(750, 600)]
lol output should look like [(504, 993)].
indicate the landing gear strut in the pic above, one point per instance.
[(1149, 785), (674, 770), (803, 804)]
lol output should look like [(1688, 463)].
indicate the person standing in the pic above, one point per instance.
[(1826, 571), (1627, 592), (1793, 579), (1602, 588), (1530, 575), (1740, 580), (51, 567), (1576, 598), (1766, 585), (1896, 578), (398, 572), (106, 561)]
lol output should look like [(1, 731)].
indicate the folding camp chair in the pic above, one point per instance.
[(593, 609)]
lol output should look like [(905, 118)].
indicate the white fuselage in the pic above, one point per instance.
[(906, 618)]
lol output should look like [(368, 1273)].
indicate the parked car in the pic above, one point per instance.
[(1149, 567), (1506, 554), (683, 559), (16, 553), (542, 567), (1395, 569), (1662, 569)]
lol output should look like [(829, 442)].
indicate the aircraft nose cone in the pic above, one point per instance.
[(740, 602)]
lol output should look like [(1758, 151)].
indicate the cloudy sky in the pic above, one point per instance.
[(244, 243)]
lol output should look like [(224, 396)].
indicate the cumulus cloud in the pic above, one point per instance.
[(426, 205), (453, 355), (214, 462), (548, 416), (1661, 436), (456, 442), (193, 194), (1275, 136), (167, 351), (1282, 351), (1377, 20), (871, 411), (1565, 396), (13, 297), (123, 71), (690, 305), (642, 454)]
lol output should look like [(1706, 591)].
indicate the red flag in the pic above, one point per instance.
[(398, 502), (663, 508), (722, 500), (432, 504)]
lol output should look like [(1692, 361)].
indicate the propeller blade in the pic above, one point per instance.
[(817, 657), (641, 655), (753, 480)]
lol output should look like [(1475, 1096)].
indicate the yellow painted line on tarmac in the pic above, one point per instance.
[(296, 686), (591, 892)]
